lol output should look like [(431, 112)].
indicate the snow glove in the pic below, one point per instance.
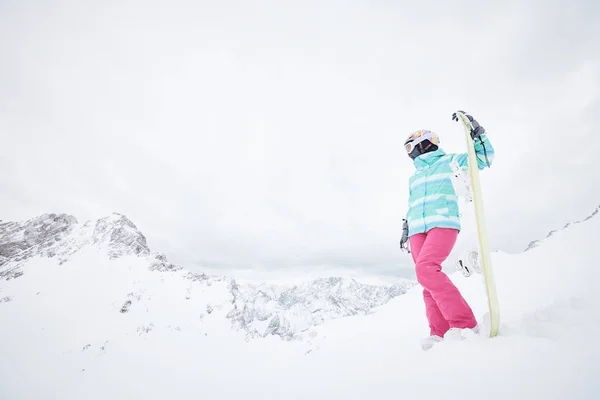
[(404, 239), (477, 129)]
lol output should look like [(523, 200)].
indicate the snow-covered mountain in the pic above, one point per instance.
[(257, 310)]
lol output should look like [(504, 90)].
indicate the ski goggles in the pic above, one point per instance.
[(418, 137)]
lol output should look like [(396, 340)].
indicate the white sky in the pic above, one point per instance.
[(269, 133)]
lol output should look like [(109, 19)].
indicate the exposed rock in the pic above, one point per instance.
[(40, 236), (125, 307), (294, 309), (120, 235), (159, 263)]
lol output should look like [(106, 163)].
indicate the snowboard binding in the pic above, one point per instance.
[(461, 183), (469, 264)]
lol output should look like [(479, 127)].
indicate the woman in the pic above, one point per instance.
[(432, 225)]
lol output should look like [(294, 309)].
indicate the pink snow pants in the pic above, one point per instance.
[(444, 305)]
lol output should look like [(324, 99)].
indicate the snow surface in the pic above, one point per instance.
[(63, 336)]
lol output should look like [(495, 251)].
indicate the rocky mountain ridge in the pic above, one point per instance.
[(536, 243), (60, 236)]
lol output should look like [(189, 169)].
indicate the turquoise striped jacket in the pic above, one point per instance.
[(432, 201)]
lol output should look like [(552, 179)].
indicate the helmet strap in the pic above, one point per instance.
[(423, 150)]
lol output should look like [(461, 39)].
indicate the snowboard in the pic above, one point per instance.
[(485, 258)]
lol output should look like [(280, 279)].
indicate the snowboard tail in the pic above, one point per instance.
[(484, 250)]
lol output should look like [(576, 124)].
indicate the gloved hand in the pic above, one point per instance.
[(477, 129), (404, 239)]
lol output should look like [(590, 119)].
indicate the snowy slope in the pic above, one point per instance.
[(64, 336), (547, 347)]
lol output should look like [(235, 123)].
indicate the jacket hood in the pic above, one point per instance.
[(427, 159)]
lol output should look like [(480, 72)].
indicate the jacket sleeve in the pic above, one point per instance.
[(483, 150)]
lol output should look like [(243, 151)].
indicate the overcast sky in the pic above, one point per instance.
[(240, 134)]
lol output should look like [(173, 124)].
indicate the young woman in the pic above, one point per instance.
[(432, 225)]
